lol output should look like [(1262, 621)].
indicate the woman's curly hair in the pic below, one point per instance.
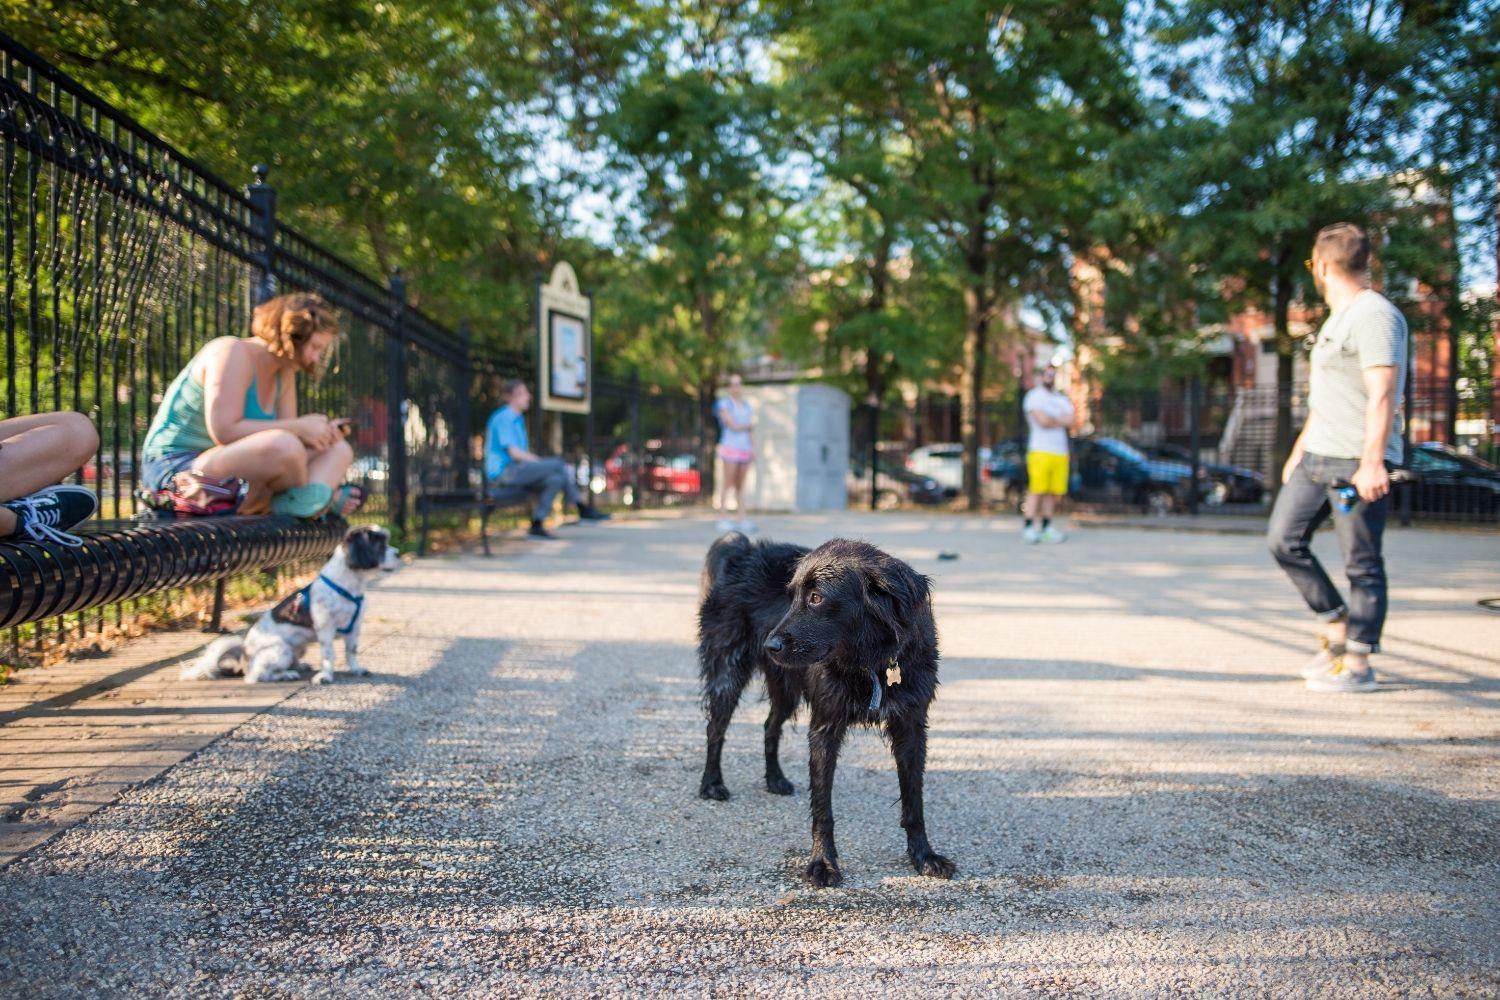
[(287, 322)]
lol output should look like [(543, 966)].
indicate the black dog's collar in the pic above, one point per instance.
[(893, 673)]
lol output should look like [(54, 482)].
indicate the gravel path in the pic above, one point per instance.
[(1140, 800)]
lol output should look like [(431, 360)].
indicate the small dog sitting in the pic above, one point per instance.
[(846, 627), (330, 605)]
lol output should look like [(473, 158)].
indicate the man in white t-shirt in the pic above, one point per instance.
[(1049, 414), (1338, 465)]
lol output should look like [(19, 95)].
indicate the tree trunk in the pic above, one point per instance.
[(1281, 304), (707, 436), (976, 346), (971, 383)]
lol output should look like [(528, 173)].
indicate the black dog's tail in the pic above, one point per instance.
[(720, 552)]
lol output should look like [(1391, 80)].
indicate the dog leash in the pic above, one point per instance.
[(358, 602)]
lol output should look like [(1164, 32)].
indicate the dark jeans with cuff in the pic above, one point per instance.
[(545, 477), (1305, 501)]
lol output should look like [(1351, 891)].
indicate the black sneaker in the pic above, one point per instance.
[(538, 530), (588, 512), (48, 515)]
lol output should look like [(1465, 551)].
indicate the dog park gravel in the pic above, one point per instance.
[(1140, 798)]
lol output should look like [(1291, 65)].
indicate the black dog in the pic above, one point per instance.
[(845, 626)]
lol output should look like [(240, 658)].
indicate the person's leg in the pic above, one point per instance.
[(38, 451), (42, 449), (269, 461), (734, 485), (1031, 510), (1301, 506), (566, 481), (1361, 533), (330, 467), (539, 477)]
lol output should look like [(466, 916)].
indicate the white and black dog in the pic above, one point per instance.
[(330, 605)]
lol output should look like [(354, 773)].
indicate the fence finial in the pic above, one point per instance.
[(261, 172)]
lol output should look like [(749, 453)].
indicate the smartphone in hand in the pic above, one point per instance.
[(346, 426)]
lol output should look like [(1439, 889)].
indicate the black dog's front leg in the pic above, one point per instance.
[(824, 738), (909, 747)]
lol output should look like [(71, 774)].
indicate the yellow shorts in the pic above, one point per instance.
[(1046, 473)]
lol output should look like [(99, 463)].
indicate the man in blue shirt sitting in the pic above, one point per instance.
[(511, 470)]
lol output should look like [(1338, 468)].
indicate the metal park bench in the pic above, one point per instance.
[(120, 560)]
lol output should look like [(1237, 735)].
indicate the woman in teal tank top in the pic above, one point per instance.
[(217, 418)]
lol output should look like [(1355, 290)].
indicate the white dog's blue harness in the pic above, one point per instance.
[(358, 602)]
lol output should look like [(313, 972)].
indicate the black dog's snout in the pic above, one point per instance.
[(774, 643)]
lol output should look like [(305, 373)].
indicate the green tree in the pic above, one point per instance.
[(398, 134), (690, 138), (1286, 117), (1005, 111)]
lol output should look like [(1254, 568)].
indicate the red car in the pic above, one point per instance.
[(665, 470)]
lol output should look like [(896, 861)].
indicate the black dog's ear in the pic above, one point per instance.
[(364, 547), (894, 594)]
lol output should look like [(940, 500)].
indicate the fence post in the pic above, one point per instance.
[(395, 403), (588, 446), (1403, 507), (874, 427), (465, 416), (1195, 387), (636, 458), (262, 198)]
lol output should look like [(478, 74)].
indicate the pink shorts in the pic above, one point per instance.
[(736, 456)]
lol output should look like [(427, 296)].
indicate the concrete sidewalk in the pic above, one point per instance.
[(1140, 797)]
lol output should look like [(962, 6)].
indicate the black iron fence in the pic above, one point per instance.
[(123, 257)]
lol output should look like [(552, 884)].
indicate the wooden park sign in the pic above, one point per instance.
[(564, 343)]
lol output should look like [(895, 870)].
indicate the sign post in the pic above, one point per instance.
[(565, 344)]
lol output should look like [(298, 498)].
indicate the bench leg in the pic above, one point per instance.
[(422, 539), (216, 618), (484, 528)]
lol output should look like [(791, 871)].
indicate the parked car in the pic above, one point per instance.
[(945, 463), (668, 469), (1450, 482), (1220, 483), (1108, 470), (1005, 472), (894, 484)]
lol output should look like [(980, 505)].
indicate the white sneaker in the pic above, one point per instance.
[(1052, 536), (1320, 663), (1339, 679), (1031, 534), (747, 526), (725, 525)]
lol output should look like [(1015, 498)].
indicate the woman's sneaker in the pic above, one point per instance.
[(1051, 536), (1339, 679), (49, 515), (1031, 534)]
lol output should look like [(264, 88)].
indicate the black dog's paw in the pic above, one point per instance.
[(713, 790), (822, 874), (777, 784), (934, 865)]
